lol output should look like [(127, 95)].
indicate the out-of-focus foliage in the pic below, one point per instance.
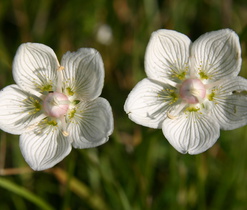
[(137, 169)]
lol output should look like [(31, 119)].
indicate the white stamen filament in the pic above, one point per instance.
[(64, 125), (175, 112), (59, 79), (173, 84), (214, 84)]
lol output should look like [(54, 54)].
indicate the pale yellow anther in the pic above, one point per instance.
[(60, 68), (172, 117), (65, 133)]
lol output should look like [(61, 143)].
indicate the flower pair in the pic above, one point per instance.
[(192, 91)]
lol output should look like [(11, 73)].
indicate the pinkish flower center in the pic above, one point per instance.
[(192, 91), (56, 104)]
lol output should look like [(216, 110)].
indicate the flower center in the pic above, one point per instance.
[(56, 104), (192, 91)]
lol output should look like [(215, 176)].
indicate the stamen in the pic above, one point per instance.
[(35, 123), (60, 68), (171, 116), (64, 125), (213, 84), (59, 79), (173, 84), (176, 112), (65, 133)]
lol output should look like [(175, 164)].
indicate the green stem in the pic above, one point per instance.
[(5, 183)]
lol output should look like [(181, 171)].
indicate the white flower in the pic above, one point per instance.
[(55, 107), (192, 90)]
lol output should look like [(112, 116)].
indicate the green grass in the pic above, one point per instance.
[(137, 169)]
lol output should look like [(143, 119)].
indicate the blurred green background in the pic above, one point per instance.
[(137, 169)]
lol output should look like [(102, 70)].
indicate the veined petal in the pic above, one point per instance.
[(34, 67), (19, 109), (167, 56), (216, 54), (90, 123), (149, 102), (191, 132), (83, 73), (229, 101), (44, 146)]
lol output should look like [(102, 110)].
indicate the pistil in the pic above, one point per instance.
[(56, 104), (192, 91)]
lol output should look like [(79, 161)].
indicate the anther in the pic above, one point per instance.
[(65, 133), (60, 68), (172, 117)]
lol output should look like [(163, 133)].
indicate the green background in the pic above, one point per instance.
[(137, 169)]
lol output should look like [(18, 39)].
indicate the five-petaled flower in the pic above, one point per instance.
[(192, 90), (53, 106)]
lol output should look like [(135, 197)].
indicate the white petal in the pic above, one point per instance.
[(216, 54), (19, 109), (44, 147), (167, 55), (35, 67), (149, 102), (192, 132), (83, 73), (230, 103), (91, 124)]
